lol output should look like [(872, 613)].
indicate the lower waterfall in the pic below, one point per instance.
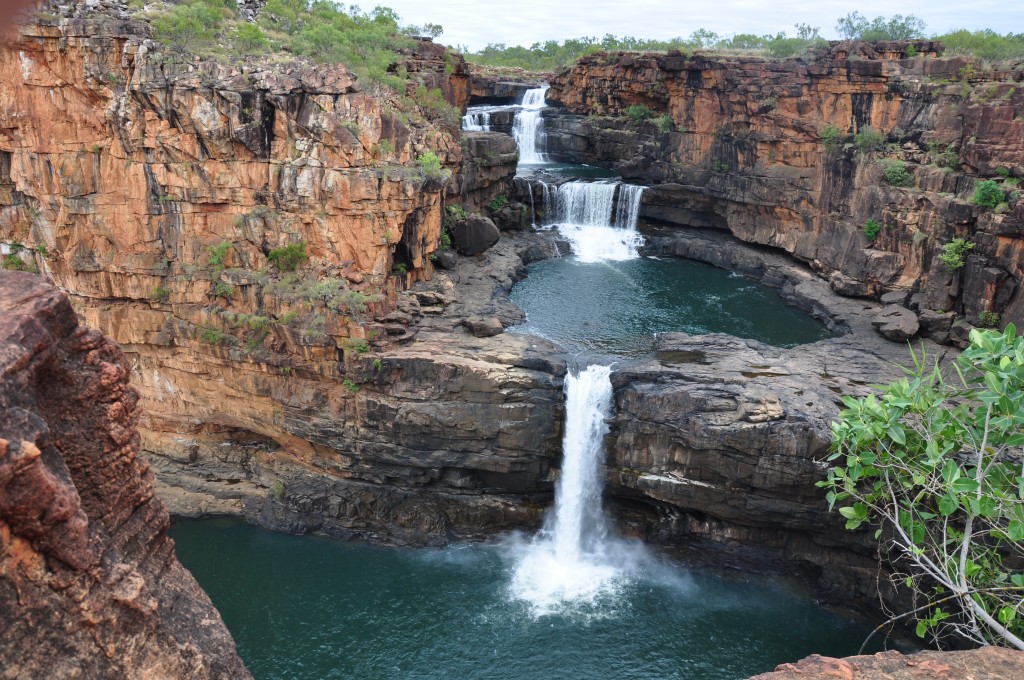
[(572, 561)]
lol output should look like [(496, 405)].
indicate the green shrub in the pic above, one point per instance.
[(212, 336), (357, 345), (350, 385), (987, 194), (896, 173), (430, 164), (223, 289), (277, 488), (399, 268), (869, 139), (666, 124), (13, 263), (500, 201), (160, 294), (446, 240), (872, 229), (249, 38), (954, 252), (216, 254), (989, 319), (638, 112), (189, 27), (458, 212), (288, 258), (832, 137)]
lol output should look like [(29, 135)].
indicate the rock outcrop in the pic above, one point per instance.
[(766, 150), (89, 584), (990, 663)]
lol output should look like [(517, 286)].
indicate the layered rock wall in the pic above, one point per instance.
[(736, 143), (89, 584)]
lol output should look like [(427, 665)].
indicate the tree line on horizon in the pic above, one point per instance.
[(552, 54)]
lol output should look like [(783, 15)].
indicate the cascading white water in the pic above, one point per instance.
[(528, 127), (476, 121), (570, 560), (587, 215)]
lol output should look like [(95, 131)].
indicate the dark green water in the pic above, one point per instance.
[(304, 607), (615, 307)]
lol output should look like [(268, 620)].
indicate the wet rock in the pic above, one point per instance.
[(896, 323), (484, 327), (473, 235)]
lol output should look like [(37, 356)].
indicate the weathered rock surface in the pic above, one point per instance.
[(89, 584), (489, 164), (896, 323), (473, 235), (736, 144), (717, 442), (990, 663)]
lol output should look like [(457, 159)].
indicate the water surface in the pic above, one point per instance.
[(311, 608), (616, 306)]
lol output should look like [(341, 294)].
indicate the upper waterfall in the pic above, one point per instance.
[(528, 127)]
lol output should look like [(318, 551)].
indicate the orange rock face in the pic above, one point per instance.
[(741, 148)]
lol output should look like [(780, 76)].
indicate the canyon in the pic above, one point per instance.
[(371, 392)]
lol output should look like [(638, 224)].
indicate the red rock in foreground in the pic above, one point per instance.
[(89, 583), (990, 663)]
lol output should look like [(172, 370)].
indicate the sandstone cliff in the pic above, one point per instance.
[(736, 143), (89, 585)]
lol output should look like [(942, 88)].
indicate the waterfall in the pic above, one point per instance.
[(528, 127), (476, 121), (571, 559), (598, 227)]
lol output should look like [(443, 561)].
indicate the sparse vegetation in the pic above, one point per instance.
[(989, 319), (832, 137), (896, 173), (499, 202), (987, 194), (666, 124), (288, 258), (869, 139), (430, 164), (872, 229), (638, 112), (954, 253), (160, 294)]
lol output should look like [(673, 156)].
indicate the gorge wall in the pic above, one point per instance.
[(157, 192), (736, 143), (89, 584)]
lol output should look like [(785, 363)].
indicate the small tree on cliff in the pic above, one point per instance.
[(936, 463)]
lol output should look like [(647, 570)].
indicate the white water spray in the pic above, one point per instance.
[(528, 127), (477, 120), (599, 229), (571, 561)]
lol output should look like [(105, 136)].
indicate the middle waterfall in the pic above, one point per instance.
[(528, 127), (587, 215)]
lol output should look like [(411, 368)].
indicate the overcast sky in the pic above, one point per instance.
[(523, 22)]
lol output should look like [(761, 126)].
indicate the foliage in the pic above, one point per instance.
[(869, 139), (277, 488), (987, 194), (666, 124), (499, 202), (457, 212), (212, 336), (430, 164), (896, 173), (989, 319), (357, 345), (249, 38), (935, 462), (190, 26), (12, 262), (288, 258), (350, 385), (986, 44), (854, 26), (638, 112), (223, 289), (954, 252), (400, 268), (216, 254), (446, 240), (872, 229), (832, 137), (160, 294)]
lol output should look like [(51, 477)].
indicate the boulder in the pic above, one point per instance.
[(473, 235), (896, 297), (896, 323), (935, 325), (484, 327)]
